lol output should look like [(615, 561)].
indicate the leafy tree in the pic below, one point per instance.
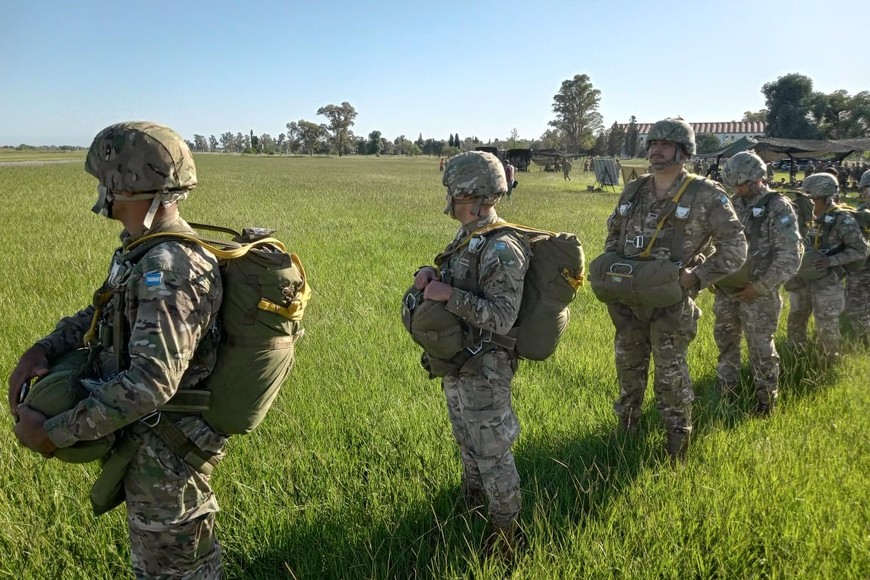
[(749, 116), (307, 135), (456, 141), (788, 102), (707, 143), (281, 143), (840, 116), (228, 142), (615, 139), (577, 117), (599, 148), (551, 139), (631, 134), (212, 143), (200, 143), (374, 143), (419, 142), (341, 119), (255, 142), (267, 144)]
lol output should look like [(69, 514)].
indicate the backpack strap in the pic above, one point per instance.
[(677, 240), (755, 222)]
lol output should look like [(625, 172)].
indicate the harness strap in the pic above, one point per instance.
[(188, 401), (168, 432), (680, 226)]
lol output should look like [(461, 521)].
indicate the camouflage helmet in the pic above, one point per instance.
[(742, 168), (475, 173), (58, 392), (141, 157), (864, 181), (673, 129), (820, 185)]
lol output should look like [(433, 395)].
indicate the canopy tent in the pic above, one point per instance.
[(550, 156), (771, 148), (633, 168), (741, 144), (519, 158)]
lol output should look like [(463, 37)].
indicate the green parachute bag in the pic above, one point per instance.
[(649, 282), (265, 295), (431, 326), (59, 391)]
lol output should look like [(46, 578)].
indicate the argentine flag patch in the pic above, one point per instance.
[(153, 279)]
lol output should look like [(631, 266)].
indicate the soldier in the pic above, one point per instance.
[(834, 240), (566, 169), (748, 302), (858, 283), (478, 387), (168, 303), (669, 215)]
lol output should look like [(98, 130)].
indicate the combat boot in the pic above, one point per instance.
[(678, 444), (762, 409), (506, 543)]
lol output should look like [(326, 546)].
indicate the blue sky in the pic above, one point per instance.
[(476, 67)]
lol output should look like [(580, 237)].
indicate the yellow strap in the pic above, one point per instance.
[(98, 310), (220, 253), (676, 199), (574, 282), (296, 308)]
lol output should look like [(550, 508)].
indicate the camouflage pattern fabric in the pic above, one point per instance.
[(757, 320), (478, 395), (665, 333), (171, 299), (776, 258), (824, 298), (857, 310)]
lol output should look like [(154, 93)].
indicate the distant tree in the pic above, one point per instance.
[(212, 143), (374, 143), (631, 134), (577, 117), (749, 116), (707, 143), (840, 116), (190, 145), (200, 143), (281, 142), (599, 148), (551, 139), (419, 142), (341, 119), (414, 150), (514, 139), (228, 142), (788, 100), (266, 144), (307, 135), (615, 139), (456, 141)]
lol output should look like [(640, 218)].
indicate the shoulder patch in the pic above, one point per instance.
[(723, 198), (153, 278), (786, 220)]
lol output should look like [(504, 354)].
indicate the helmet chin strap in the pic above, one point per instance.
[(152, 211), (678, 158)]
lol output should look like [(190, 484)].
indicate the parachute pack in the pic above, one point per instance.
[(265, 295), (556, 271)]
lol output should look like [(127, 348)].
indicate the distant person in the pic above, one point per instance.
[(509, 171), (834, 240), (747, 303), (441, 165), (566, 169), (857, 309)]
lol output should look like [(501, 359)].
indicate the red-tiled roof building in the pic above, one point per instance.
[(726, 132)]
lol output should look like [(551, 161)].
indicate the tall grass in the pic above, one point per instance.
[(354, 473)]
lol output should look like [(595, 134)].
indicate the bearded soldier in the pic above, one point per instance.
[(748, 302), (858, 283), (834, 241), (480, 281), (684, 222), (150, 332)]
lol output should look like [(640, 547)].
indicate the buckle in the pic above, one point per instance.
[(637, 241), (485, 336), (151, 420), (410, 301)]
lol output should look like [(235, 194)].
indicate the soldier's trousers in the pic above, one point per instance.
[(858, 301), (757, 320), (664, 333), (171, 510), (485, 426), (823, 299)]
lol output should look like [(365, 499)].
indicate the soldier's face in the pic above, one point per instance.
[(662, 153), (741, 190)]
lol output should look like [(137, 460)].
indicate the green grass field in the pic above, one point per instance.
[(354, 474)]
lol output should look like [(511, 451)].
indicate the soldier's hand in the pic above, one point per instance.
[(748, 294), (33, 363), (30, 430), (424, 276), (822, 263), (438, 291)]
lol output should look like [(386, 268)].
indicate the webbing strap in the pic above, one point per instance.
[(203, 461), (188, 401), (676, 199), (234, 251)]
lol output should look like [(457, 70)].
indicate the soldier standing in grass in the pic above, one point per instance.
[(834, 240), (858, 283), (748, 302), (566, 169), (168, 303), (647, 217), (477, 385)]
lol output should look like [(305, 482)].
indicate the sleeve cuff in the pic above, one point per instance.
[(58, 432)]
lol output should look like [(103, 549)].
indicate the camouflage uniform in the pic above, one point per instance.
[(666, 332), (824, 298), (478, 394), (172, 297), (774, 258), (166, 305), (858, 283)]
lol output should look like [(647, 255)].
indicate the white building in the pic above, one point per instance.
[(727, 132)]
